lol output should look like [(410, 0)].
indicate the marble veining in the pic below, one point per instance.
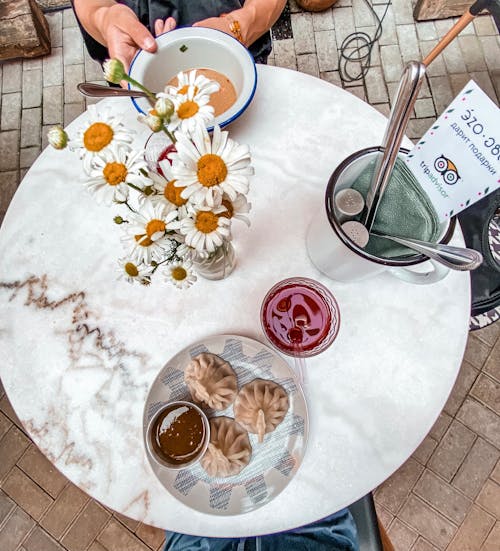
[(89, 349)]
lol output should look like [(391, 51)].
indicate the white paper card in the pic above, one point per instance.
[(457, 162)]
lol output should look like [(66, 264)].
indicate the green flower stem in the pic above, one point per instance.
[(169, 259), (129, 207), (169, 134), (137, 188), (140, 86)]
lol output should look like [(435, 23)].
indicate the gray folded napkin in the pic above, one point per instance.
[(405, 210)]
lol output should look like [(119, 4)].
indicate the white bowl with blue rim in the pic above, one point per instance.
[(196, 48)]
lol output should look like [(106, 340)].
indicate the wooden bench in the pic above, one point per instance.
[(440, 9), (24, 31)]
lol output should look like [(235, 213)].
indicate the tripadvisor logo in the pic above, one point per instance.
[(447, 169), (433, 178)]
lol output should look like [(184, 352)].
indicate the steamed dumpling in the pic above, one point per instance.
[(260, 406), (229, 450), (211, 380)]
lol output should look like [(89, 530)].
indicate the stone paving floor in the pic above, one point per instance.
[(447, 495)]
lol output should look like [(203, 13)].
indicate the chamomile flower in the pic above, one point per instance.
[(204, 229), (209, 168), (180, 274), (184, 252), (236, 209), (134, 272), (101, 132), (166, 193), (111, 173), (190, 110), (148, 233), (200, 83)]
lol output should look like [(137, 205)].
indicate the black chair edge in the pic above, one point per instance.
[(366, 521)]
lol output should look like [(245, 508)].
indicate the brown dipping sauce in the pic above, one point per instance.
[(222, 100), (178, 434)]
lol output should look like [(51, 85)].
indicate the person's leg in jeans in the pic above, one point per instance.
[(336, 532), (183, 542)]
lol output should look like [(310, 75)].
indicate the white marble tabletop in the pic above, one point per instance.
[(79, 349)]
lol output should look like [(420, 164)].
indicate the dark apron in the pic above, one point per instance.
[(485, 280), (185, 13)]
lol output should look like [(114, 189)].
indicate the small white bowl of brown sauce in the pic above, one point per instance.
[(178, 435), (217, 55)]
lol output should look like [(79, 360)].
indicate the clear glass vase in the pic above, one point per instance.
[(216, 265), (157, 148)]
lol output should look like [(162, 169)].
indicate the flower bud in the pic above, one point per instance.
[(113, 70), (118, 220), (57, 137), (152, 120), (164, 107)]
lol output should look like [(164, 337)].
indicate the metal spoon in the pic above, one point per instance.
[(456, 258), (100, 91)]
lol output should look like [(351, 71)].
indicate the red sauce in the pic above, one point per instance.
[(296, 318), (165, 156)]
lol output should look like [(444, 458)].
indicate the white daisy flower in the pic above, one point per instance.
[(209, 168), (184, 252), (133, 272), (165, 192), (111, 173), (148, 233), (190, 110), (200, 83), (204, 229), (237, 208), (181, 274), (101, 132)]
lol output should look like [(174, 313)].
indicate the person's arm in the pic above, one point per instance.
[(117, 27), (255, 18)]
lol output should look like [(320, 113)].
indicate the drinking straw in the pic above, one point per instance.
[(406, 95)]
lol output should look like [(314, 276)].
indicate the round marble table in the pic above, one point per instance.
[(79, 349)]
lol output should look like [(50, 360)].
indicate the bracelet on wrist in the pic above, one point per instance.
[(234, 27)]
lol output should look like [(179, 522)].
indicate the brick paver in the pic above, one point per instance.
[(476, 468), (447, 495), (427, 521), (473, 531)]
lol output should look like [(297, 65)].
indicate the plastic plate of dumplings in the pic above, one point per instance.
[(273, 462)]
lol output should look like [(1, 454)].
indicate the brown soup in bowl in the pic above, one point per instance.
[(222, 100)]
